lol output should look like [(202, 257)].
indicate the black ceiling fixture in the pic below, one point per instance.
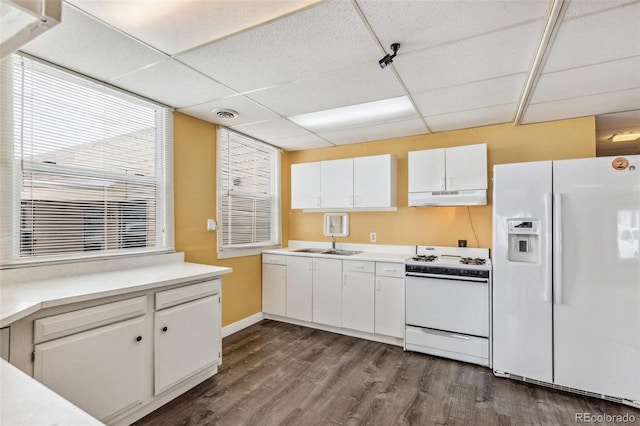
[(388, 59)]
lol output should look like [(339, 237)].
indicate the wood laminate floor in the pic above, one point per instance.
[(275, 373)]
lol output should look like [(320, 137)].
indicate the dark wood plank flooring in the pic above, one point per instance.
[(281, 374)]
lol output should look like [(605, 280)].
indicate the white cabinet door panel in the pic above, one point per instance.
[(274, 289), (466, 167), (101, 371), (374, 181), (427, 170), (187, 340), (305, 186), (358, 303), (327, 291), (337, 183), (389, 311), (299, 287)]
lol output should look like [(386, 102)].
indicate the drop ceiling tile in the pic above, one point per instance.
[(489, 56), (601, 37), (347, 86), (300, 143), (267, 131), (498, 91), (316, 40), (249, 111), (587, 7), (394, 129), (85, 45), (175, 26), (173, 84), (473, 118), (419, 24), (589, 80), (624, 100)]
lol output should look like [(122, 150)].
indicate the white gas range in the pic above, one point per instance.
[(447, 303)]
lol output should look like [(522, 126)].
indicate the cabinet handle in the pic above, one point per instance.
[(318, 201), (378, 284), (165, 328), (356, 200), (139, 339), (344, 279), (351, 200), (358, 266), (450, 182), (442, 183), (390, 270)]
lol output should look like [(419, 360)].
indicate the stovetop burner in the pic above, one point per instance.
[(473, 261), (424, 258)]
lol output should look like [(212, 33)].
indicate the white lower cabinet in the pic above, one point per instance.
[(299, 299), (102, 370), (358, 297), (99, 357), (389, 317), (327, 291), (187, 340)]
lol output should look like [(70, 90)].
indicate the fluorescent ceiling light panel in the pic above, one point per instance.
[(359, 115), (626, 137)]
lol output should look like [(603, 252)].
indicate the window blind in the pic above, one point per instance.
[(90, 166), (248, 203)]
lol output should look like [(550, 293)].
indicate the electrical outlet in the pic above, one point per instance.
[(373, 237), (211, 225)]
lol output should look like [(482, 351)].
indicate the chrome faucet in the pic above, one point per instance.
[(333, 243)]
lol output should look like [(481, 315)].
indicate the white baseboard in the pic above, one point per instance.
[(242, 324)]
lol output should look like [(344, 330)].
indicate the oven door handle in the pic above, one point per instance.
[(448, 277)]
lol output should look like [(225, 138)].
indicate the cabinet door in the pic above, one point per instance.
[(299, 287), (101, 371), (467, 167), (274, 287), (305, 186), (327, 291), (187, 340), (427, 170), (336, 183), (389, 312), (358, 301), (374, 181)]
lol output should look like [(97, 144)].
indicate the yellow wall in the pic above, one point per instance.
[(195, 195), (443, 225), (194, 152)]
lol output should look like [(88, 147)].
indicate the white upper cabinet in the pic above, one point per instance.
[(374, 181), (350, 183), (336, 183), (305, 186), (448, 176)]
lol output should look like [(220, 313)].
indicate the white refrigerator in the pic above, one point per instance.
[(566, 274)]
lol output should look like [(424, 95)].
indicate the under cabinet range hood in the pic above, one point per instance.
[(473, 197), (24, 20)]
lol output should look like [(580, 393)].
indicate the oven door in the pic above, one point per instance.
[(454, 304)]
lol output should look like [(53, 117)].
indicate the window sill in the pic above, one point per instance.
[(242, 252)]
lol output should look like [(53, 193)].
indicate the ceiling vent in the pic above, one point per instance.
[(225, 114)]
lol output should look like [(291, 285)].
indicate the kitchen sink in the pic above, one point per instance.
[(337, 252)]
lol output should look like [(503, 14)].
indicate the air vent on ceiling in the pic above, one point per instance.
[(225, 114)]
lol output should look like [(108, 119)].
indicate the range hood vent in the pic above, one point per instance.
[(475, 197), (24, 20)]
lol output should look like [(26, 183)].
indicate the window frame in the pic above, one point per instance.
[(275, 220), (11, 174)]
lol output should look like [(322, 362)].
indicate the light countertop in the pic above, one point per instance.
[(26, 402), (21, 298), (369, 252)]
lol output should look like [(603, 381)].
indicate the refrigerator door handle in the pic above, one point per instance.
[(548, 238), (557, 249)]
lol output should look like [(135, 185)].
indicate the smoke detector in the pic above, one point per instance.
[(225, 114)]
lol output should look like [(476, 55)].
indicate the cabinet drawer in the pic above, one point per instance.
[(275, 259), (85, 319), (387, 269), (358, 266), (176, 296)]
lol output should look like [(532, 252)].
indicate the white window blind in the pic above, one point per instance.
[(248, 196), (90, 166)]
